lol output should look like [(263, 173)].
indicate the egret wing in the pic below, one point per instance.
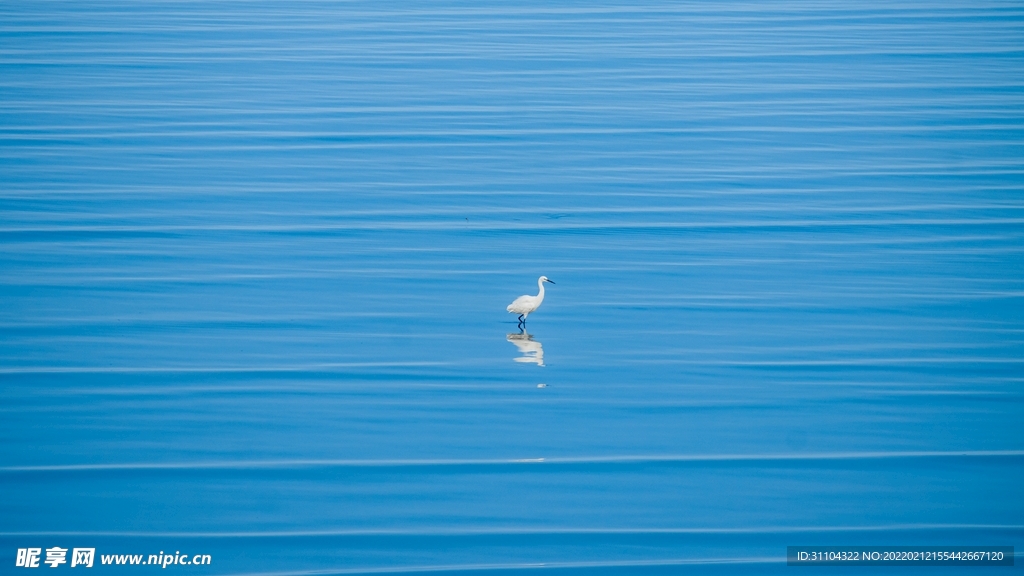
[(521, 304)]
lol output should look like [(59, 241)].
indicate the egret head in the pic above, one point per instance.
[(545, 279)]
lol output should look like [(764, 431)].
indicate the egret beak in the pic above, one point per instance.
[(552, 281)]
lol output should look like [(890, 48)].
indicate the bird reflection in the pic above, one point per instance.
[(530, 349)]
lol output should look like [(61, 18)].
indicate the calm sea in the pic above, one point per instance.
[(255, 258)]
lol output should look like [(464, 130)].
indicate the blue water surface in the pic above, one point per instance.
[(255, 259)]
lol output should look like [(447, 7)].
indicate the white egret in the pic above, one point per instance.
[(526, 304)]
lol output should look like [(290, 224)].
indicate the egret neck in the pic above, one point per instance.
[(540, 295)]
